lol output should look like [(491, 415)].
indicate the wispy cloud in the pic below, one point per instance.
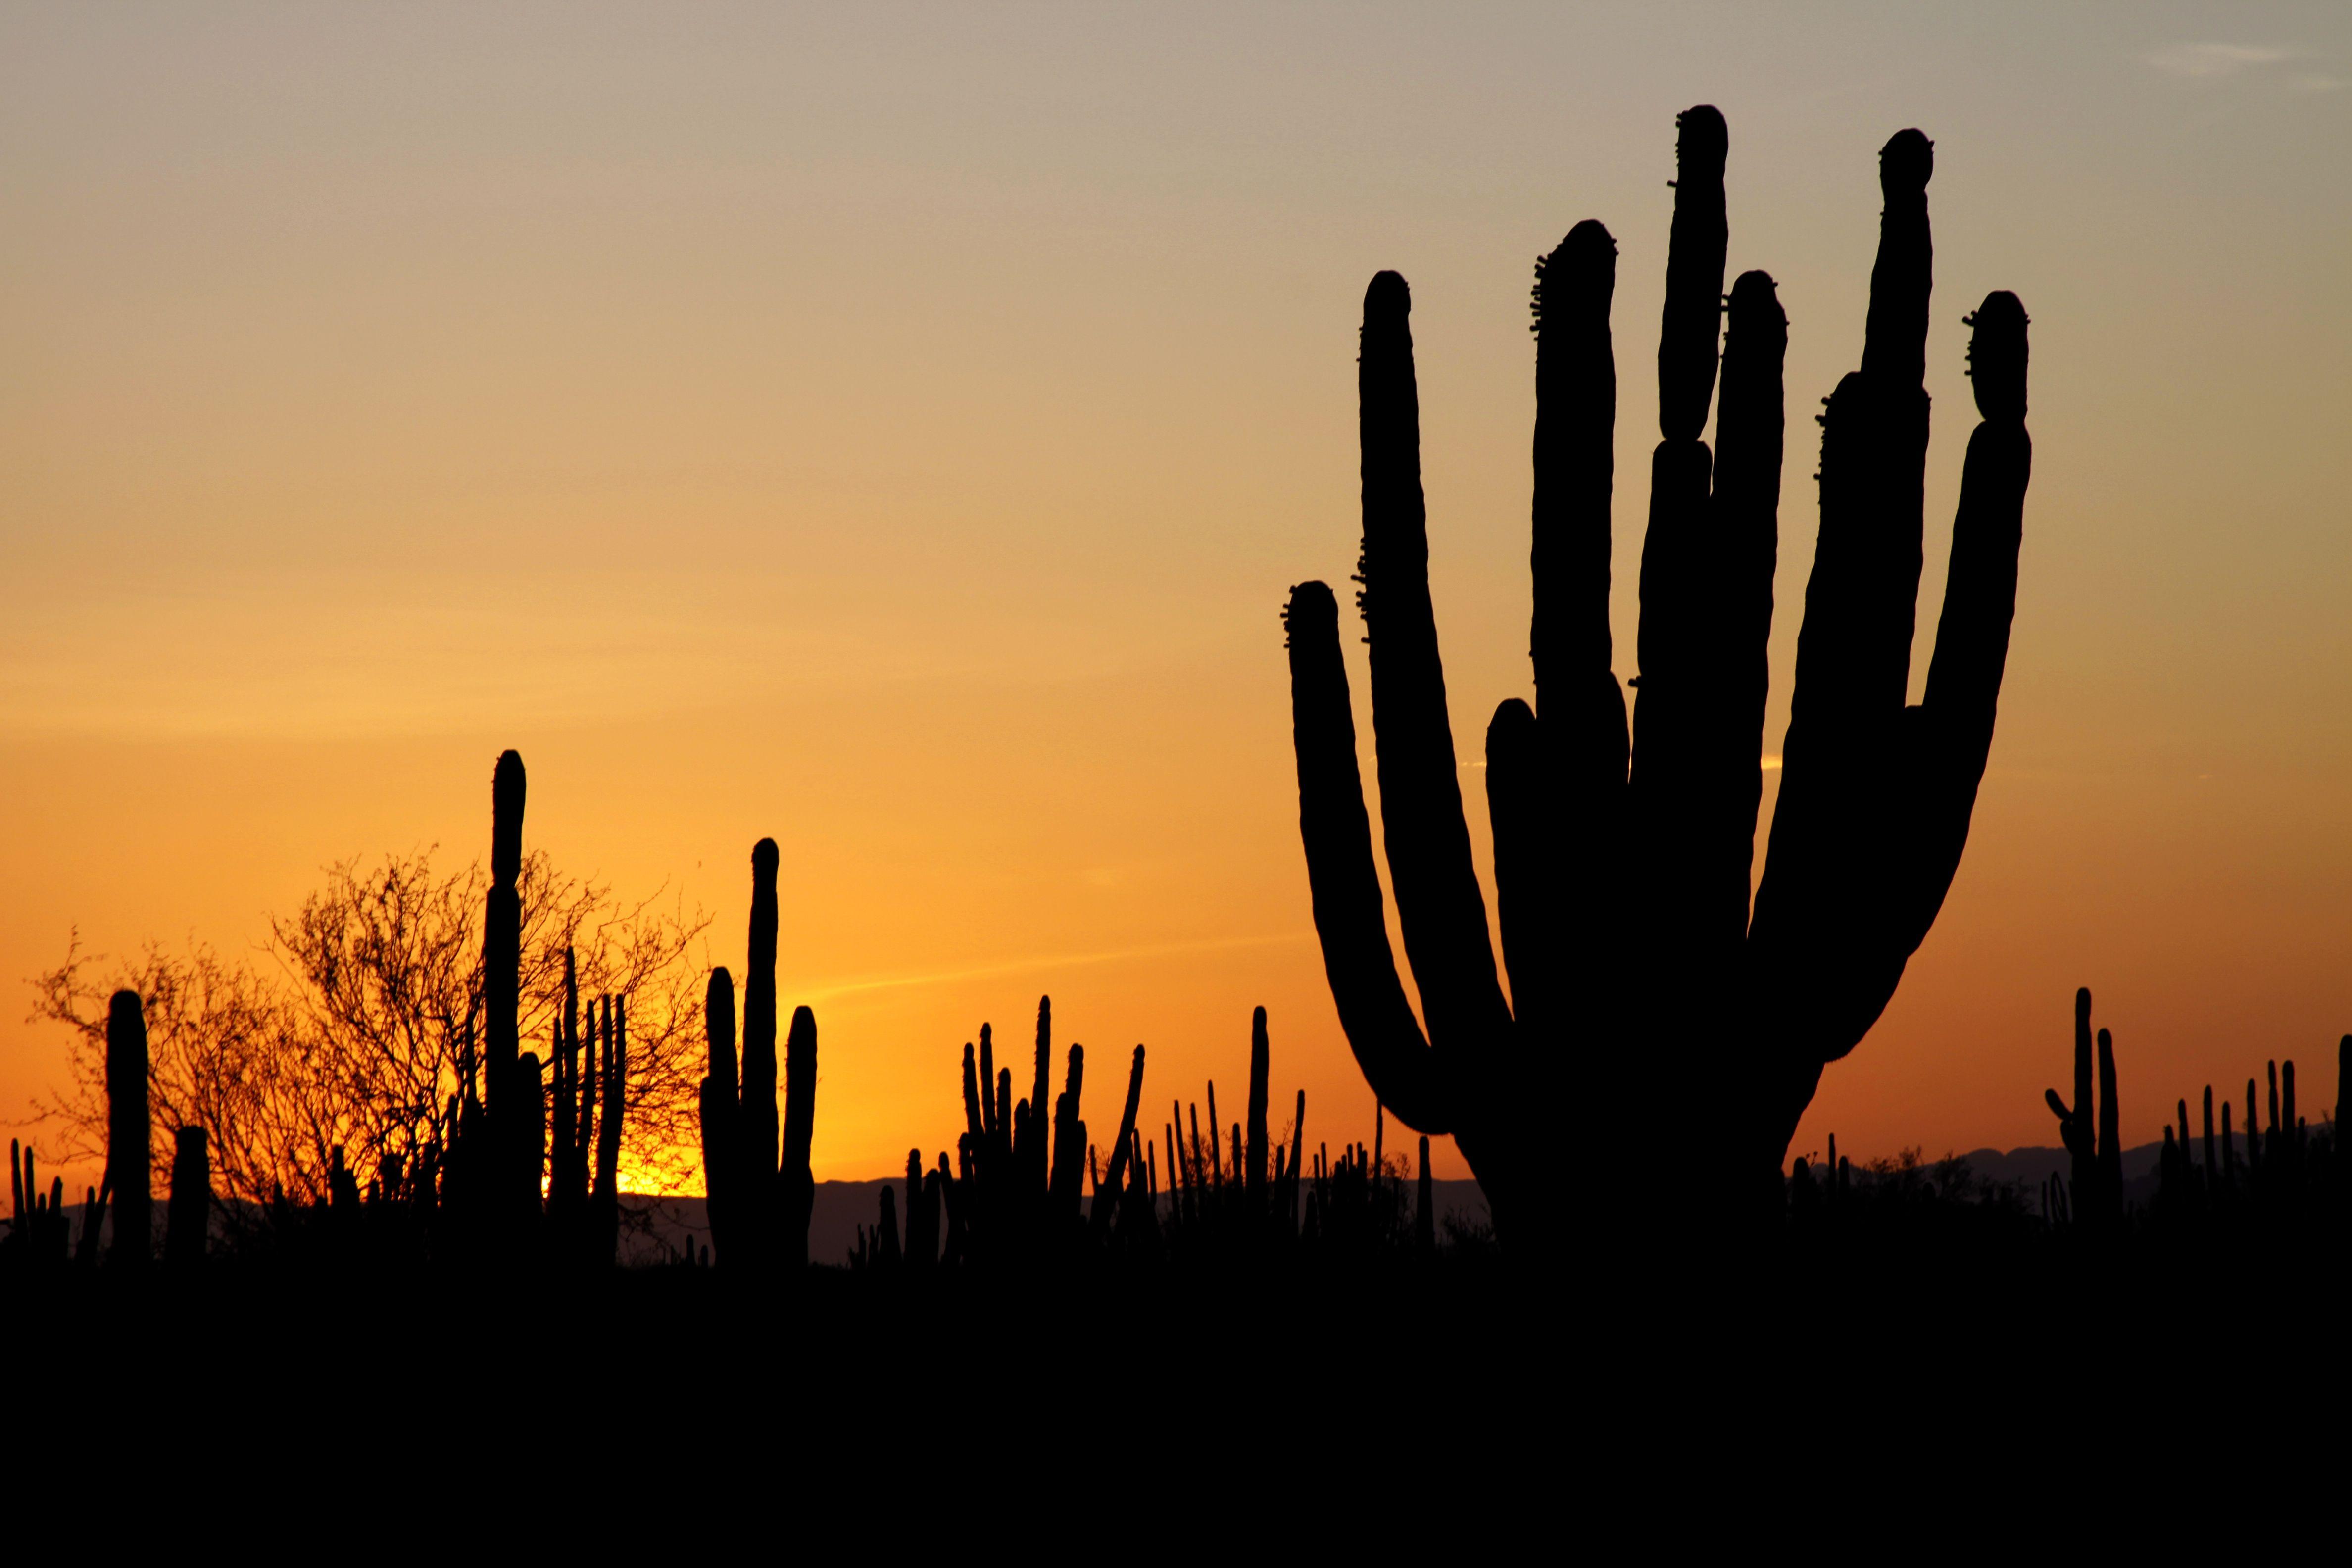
[(2216, 59)]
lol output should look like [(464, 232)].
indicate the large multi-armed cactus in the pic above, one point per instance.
[(1622, 862)]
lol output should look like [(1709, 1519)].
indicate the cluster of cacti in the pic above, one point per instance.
[(757, 1203), (2287, 1163), (38, 1225), (589, 1091), (1241, 1191), (1018, 1192), (1622, 859), (2201, 1174), (1357, 1203)]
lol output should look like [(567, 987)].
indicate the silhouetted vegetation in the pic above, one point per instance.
[(1622, 856), (379, 1102)]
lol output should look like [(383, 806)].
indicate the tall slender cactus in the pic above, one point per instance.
[(756, 1131), (512, 1105), (1622, 862), (128, 1154), (720, 1110)]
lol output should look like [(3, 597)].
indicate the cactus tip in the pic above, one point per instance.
[(1702, 139), (1997, 356), (1387, 294), (764, 858), (1907, 163), (1584, 262), (1754, 294), (1312, 610)]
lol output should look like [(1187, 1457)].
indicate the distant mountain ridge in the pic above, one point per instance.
[(840, 1207)]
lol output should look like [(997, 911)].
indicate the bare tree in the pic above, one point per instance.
[(355, 1026)]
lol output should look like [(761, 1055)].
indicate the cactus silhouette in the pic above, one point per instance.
[(758, 1208), (36, 1221), (2095, 1146), (1623, 861), (604, 1203), (190, 1211), (128, 1171), (514, 1117)]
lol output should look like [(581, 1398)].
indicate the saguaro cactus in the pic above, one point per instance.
[(128, 1156), (512, 1104), (2096, 1157), (758, 1208), (1622, 863), (720, 1110)]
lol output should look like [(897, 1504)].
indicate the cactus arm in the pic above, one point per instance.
[(2111, 1144), (1439, 904), (1826, 946), (719, 1028), (1575, 469), (1745, 526), (1584, 731), (1114, 1178), (1336, 831), (1680, 570), (1523, 903), (1892, 469), (1894, 334), (970, 1096), (992, 1110), (1696, 246), (1854, 650), (1951, 731), (798, 1188)]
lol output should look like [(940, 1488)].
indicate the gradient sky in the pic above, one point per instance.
[(894, 430)]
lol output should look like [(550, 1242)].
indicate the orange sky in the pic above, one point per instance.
[(894, 431)]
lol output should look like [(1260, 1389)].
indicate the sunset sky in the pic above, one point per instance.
[(894, 431)]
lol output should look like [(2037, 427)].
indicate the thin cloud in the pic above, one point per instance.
[(2200, 61)]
